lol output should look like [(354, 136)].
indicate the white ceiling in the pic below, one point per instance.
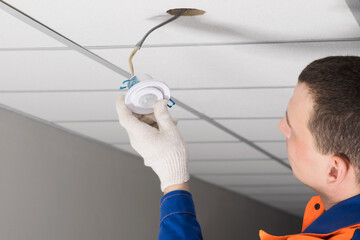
[(237, 64)]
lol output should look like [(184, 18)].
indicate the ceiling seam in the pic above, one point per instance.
[(180, 119), (201, 142), (282, 194), (232, 160), (50, 32), (173, 89), (243, 174), (354, 6), (110, 47), (263, 185)]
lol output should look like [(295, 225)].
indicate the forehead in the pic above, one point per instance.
[(300, 105)]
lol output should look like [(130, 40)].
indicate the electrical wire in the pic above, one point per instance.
[(140, 43)]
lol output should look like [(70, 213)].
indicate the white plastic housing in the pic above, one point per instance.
[(141, 97)]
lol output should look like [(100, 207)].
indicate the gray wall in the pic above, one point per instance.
[(56, 185)]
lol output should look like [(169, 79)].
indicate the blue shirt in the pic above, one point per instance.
[(178, 217)]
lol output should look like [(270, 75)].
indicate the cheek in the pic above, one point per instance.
[(284, 128), (299, 154)]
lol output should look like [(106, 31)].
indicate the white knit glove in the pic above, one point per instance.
[(162, 148)]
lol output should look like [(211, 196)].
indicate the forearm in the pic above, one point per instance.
[(178, 217), (182, 186)]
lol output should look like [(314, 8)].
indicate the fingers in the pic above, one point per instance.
[(162, 115), (148, 118), (127, 119)]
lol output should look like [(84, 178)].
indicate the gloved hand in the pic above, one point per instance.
[(162, 148)]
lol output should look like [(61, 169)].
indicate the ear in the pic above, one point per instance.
[(338, 169)]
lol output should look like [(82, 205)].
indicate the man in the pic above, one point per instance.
[(322, 130)]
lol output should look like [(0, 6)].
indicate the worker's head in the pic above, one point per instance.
[(322, 127)]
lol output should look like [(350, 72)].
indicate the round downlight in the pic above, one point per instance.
[(143, 95)]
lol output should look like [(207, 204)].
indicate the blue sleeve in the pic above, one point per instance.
[(356, 235), (178, 217)]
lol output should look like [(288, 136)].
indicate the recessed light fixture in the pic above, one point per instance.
[(144, 92)]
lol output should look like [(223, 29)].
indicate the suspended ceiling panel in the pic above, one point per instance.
[(110, 132), (217, 151), (237, 64), (71, 106), (113, 22), (228, 66), (21, 35)]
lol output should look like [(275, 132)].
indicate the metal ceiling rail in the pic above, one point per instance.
[(173, 89), (73, 45), (57, 36), (354, 6), (173, 45)]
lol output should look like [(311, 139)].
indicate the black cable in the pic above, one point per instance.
[(139, 44)]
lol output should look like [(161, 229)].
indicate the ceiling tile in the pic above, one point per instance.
[(276, 148), (202, 131), (94, 23), (255, 129), (222, 151), (246, 167), (250, 180), (213, 151), (187, 67), (72, 106), (54, 70), (238, 102), (291, 198), (21, 34), (273, 190), (114, 133), (231, 66)]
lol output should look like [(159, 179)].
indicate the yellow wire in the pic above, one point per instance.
[(130, 60)]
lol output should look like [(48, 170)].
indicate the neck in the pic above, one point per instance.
[(329, 200)]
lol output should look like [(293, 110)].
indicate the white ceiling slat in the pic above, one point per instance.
[(200, 130), (112, 132), (276, 148), (214, 151), (251, 180), (273, 190), (230, 168), (222, 151), (59, 37), (103, 22), (237, 103), (70, 106), (302, 198), (255, 129), (206, 67), (54, 70), (229, 66), (22, 35)]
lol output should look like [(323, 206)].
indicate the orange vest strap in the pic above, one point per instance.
[(341, 234)]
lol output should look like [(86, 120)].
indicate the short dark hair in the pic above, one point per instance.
[(334, 84)]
